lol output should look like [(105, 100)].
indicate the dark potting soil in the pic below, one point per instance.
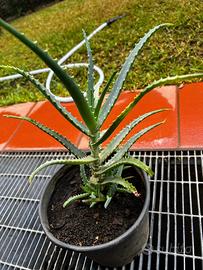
[(80, 225)]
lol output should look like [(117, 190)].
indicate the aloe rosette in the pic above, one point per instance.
[(104, 178)]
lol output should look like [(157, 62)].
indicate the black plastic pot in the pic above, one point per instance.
[(117, 252)]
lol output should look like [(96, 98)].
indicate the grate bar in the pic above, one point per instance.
[(15, 266), (191, 211), (173, 253), (152, 208), (21, 229), (175, 181), (198, 203), (183, 206), (160, 209), (168, 209), (140, 263), (170, 154), (46, 155), (175, 214), (19, 198)]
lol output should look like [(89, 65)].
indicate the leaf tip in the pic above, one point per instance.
[(163, 122), (150, 172), (64, 204), (30, 179), (136, 194)]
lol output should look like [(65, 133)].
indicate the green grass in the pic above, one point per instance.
[(58, 28)]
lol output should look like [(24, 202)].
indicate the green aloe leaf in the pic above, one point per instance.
[(90, 90), (120, 181), (117, 88), (50, 97), (160, 82), (107, 202), (68, 82), (83, 174), (58, 137), (85, 160), (127, 161), (115, 142), (102, 96), (75, 198), (121, 152)]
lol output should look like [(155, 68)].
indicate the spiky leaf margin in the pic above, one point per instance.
[(90, 90), (58, 137), (160, 82), (85, 160), (74, 198), (50, 97), (102, 96), (120, 181), (116, 141), (122, 151), (128, 161)]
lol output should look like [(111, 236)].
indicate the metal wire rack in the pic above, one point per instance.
[(176, 214)]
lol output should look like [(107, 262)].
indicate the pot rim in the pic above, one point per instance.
[(104, 245)]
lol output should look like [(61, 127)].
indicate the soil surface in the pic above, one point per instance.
[(80, 225)]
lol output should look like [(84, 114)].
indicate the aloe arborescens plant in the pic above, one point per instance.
[(104, 178), (101, 168)]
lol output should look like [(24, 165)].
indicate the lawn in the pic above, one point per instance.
[(59, 27)]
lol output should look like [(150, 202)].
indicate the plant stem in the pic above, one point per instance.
[(95, 150)]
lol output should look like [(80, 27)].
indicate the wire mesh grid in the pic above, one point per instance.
[(176, 214)]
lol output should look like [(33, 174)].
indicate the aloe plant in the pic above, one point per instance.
[(104, 178)]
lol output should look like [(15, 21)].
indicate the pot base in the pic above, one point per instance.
[(123, 244)]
